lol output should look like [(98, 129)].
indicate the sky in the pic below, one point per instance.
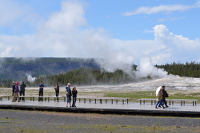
[(120, 32)]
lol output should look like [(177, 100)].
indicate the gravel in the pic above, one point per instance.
[(43, 121)]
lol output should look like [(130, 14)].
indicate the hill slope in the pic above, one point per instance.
[(18, 68)]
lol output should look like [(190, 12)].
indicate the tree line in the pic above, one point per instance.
[(85, 76), (189, 69), (97, 76)]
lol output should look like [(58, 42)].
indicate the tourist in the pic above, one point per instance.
[(16, 92), (74, 95), (22, 91), (13, 87), (41, 89), (165, 94), (160, 101), (68, 94), (57, 92)]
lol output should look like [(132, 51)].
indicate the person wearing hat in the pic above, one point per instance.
[(22, 91), (16, 91), (68, 95)]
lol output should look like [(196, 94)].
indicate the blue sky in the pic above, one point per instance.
[(121, 32)]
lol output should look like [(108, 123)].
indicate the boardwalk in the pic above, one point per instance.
[(131, 108)]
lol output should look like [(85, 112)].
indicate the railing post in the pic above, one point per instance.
[(84, 100)]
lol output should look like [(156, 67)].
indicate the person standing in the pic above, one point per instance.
[(41, 88), (165, 94), (74, 95), (22, 91), (57, 92), (13, 88), (68, 94), (16, 92)]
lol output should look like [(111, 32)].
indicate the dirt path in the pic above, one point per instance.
[(16, 121)]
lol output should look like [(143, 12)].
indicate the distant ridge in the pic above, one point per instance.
[(17, 68)]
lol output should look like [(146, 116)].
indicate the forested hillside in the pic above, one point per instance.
[(17, 68), (77, 71), (191, 69), (86, 76)]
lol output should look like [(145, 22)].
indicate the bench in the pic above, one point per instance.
[(194, 101), (32, 98), (171, 101), (8, 96), (46, 98)]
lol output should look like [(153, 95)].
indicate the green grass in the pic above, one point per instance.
[(127, 128), (134, 95)]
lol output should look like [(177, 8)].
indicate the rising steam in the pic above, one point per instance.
[(30, 78), (146, 68)]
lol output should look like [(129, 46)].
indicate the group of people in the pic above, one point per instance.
[(71, 93), (16, 91), (161, 95)]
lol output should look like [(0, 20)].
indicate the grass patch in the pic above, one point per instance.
[(134, 95), (126, 128)]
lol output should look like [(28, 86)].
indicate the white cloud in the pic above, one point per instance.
[(170, 19), (12, 13), (70, 16), (178, 47), (163, 35), (63, 35), (161, 8), (7, 13), (10, 51), (147, 31)]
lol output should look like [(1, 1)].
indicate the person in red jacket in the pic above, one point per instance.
[(16, 92)]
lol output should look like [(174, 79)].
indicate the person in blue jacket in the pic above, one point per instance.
[(41, 88), (68, 94)]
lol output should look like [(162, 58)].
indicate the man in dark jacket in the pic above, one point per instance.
[(13, 87), (74, 95), (57, 92), (164, 95), (22, 91)]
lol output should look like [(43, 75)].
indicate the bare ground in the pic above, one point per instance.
[(16, 121)]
